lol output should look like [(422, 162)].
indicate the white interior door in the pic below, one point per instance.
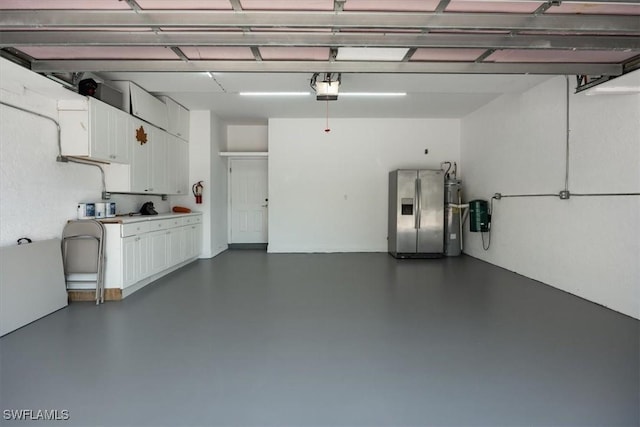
[(249, 200)]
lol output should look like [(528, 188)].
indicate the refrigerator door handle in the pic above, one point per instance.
[(418, 202)]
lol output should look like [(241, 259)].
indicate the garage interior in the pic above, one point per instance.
[(536, 103)]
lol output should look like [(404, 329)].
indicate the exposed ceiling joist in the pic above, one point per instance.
[(442, 6), (608, 24), (133, 4), (325, 66), (235, 4), (256, 53), (179, 53), (594, 1), (175, 38)]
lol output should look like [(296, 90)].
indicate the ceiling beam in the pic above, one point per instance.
[(608, 24), (325, 66), (256, 53), (411, 40), (442, 6), (133, 4), (179, 53), (235, 4)]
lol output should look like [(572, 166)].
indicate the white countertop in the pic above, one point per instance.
[(125, 219)]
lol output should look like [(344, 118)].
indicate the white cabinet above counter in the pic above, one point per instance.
[(139, 157), (94, 130), (142, 104), (159, 163), (178, 118)]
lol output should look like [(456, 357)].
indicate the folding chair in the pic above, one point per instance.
[(83, 254)]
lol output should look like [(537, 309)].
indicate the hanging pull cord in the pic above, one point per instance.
[(327, 129)]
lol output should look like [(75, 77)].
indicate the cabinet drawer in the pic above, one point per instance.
[(135, 228), (160, 224), (175, 222), (195, 219)]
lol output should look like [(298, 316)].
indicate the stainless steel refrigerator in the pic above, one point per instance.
[(416, 213)]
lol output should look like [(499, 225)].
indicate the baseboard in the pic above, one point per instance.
[(307, 250), (249, 246), (78, 295)]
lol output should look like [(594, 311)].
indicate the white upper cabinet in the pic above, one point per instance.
[(148, 107), (142, 104), (147, 173), (177, 165), (149, 163), (158, 163), (140, 136), (95, 130), (178, 118)]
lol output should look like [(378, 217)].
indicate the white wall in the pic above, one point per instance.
[(328, 191), (38, 195), (200, 170), (589, 247), (218, 184), (206, 137), (247, 138)]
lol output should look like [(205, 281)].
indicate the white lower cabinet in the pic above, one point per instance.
[(130, 255), (158, 251), (135, 259), (175, 245), (139, 252)]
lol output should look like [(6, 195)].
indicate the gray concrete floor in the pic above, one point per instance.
[(251, 339)]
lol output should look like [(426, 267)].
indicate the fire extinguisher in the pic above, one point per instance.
[(197, 191)]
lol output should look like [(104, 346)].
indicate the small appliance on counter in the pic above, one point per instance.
[(111, 209), (86, 210), (101, 211), (96, 210), (148, 209)]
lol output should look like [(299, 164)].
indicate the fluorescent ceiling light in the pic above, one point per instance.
[(274, 93), (371, 54), (373, 94), (617, 90), (626, 84)]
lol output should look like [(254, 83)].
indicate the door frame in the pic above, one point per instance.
[(230, 160)]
